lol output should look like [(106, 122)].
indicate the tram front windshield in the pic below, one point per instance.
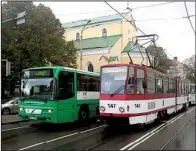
[(113, 79)]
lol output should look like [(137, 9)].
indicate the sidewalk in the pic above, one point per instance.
[(9, 118)]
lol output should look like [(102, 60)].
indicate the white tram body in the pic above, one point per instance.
[(192, 94), (138, 94)]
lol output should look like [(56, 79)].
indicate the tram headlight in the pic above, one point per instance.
[(102, 108), (121, 109)]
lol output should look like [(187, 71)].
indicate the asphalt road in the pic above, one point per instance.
[(176, 133), (9, 118)]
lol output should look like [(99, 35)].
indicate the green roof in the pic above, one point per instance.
[(113, 58), (97, 42), (110, 59), (131, 48), (96, 20)]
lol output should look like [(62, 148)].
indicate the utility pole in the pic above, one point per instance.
[(8, 67), (81, 42)]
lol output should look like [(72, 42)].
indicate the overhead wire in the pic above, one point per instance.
[(147, 6), (189, 17), (131, 22), (157, 19), (119, 9), (124, 18)]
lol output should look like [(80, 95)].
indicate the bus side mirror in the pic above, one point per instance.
[(144, 84)]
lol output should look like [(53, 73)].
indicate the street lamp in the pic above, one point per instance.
[(83, 29)]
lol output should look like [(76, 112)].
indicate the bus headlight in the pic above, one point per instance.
[(121, 109), (49, 111), (21, 109), (102, 108)]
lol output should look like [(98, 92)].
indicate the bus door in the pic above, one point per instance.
[(66, 97)]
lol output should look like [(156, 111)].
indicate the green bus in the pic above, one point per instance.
[(58, 94)]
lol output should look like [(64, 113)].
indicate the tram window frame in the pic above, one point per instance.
[(171, 83), (179, 87), (88, 83), (130, 87), (161, 85), (141, 76), (64, 77), (165, 83), (183, 88), (150, 82)]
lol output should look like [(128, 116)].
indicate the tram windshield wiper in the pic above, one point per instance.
[(117, 90)]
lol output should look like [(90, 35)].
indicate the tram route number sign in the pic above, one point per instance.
[(137, 105), (111, 105), (151, 105)]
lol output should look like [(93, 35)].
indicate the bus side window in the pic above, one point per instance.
[(66, 85)]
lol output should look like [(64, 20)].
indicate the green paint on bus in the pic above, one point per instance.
[(58, 94)]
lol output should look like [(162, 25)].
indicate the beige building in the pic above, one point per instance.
[(105, 40), (177, 69)]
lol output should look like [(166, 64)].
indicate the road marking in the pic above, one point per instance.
[(146, 135), (92, 129), (61, 137), (10, 129), (156, 130)]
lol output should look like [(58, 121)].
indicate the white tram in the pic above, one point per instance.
[(137, 94), (192, 94)]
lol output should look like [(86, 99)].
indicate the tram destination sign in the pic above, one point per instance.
[(114, 69)]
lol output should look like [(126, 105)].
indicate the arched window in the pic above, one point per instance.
[(104, 32), (77, 36), (90, 67)]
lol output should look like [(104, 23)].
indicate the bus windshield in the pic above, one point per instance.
[(43, 88), (113, 79)]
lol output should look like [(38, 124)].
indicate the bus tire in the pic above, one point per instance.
[(83, 113)]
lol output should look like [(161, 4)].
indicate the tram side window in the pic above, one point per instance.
[(159, 86), (179, 88), (192, 89), (66, 85), (87, 83), (151, 83), (140, 78), (165, 85), (182, 88), (171, 86)]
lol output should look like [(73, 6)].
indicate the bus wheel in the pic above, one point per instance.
[(83, 113)]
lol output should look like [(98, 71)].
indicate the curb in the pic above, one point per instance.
[(14, 122)]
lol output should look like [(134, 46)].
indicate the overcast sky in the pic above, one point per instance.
[(175, 35)]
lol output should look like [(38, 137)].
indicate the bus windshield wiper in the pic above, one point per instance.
[(117, 90)]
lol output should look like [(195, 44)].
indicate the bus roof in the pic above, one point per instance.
[(65, 68)]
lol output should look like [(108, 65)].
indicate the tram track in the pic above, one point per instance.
[(90, 146), (93, 137), (142, 139)]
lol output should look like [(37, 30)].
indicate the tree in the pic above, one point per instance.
[(37, 42), (160, 59), (190, 69)]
